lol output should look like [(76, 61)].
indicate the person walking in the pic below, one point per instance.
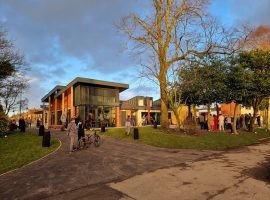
[(128, 125), (73, 134)]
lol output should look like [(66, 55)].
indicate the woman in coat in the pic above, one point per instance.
[(73, 134)]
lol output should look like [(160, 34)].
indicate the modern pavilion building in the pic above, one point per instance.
[(83, 97)]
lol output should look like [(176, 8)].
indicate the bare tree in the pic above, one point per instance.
[(12, 69), (11, 60), (177, 31), (174, 95), (12, 88)]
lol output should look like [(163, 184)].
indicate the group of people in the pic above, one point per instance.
[(145, 121), (22, 125), (222, 122)]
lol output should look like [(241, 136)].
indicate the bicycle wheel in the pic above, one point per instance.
[(97, 140), (81, 143)]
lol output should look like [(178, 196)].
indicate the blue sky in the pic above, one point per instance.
[(63, 39)]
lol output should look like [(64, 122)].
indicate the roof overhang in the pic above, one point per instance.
[(46, 97), (119, 86)]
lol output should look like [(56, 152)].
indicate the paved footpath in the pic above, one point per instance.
[(88, 174), (236, 175)]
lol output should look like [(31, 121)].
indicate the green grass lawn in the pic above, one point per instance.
[(209, 141), (18, 149)]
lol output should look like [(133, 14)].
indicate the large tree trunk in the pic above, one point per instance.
[(163, 101), (253, 118), (252, 121), (235, 118), (255, 104), (177, 116), (189, 110)]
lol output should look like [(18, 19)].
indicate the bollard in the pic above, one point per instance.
[(136, 134), (41, 130), (46, 141)]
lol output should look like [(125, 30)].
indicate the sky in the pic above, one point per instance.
[(65, 39)]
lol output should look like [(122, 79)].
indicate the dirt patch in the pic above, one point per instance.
[(261, 172)]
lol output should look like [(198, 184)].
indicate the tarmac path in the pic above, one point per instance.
[(241, 174), (89, 173)]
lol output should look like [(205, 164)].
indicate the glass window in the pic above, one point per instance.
[(140, 102), (109, 93)]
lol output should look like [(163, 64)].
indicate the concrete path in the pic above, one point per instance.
[(87, 174), (237, 175)]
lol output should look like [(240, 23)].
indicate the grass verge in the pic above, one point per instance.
[(209, 141), (19, 149)]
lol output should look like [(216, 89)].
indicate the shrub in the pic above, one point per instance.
[(3, 122)]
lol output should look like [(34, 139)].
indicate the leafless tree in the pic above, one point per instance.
[(178, 30), (11, 90), (11, 60), (12, 70)]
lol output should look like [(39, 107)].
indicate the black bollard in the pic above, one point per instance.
[(136, 134), (41, 130), (46, 141)]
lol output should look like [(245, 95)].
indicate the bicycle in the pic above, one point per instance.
[(88, 139)]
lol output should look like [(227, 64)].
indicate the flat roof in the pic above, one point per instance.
[(58, 87), (120, 86)]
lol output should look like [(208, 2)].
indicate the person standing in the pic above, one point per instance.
[(221, 122), (91, 119), (215, 123), (128, 125), (22, 125), (38, 123), (249, 121), (30, 122), (63, 120), (242, 121), (229, 123), (80, 128), (73, 134), (202, 121), (258, 120), (211, 123)]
